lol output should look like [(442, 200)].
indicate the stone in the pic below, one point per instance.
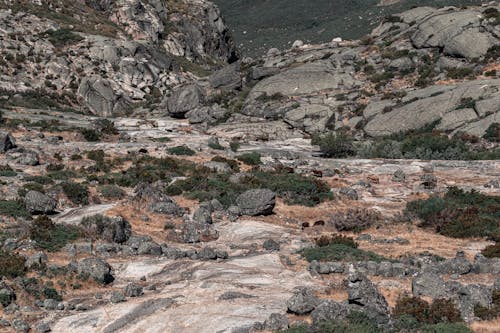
[(329, 311), (207, 253), (429, 181), (203, 216), (117, 297), (302, 302), (230, 295), (133, 290), (458, 265), (149, 248), (7, 142), (276, 322), (39, 203), (349, 193), (363, 295), (184, 99), (36, 260), (7, 294), (50, 304), (96, 269), (20, 325), (28, 157), (256, 202), (271, 245), (206, 114), (42, 328), (429, 284), (227, 78), (111, 229), (218, 167), (399, 176)]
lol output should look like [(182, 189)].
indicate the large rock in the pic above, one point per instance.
[(429, 284), (112, 229), (302, 302), (7, 142), (329, 311), (457, 33), (39, 203), (437, 103), (256, 202), (227, 78), (363, 295), (96, 269), (98, 95), (184, 99)]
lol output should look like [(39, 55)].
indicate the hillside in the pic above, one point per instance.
[(259, 25)]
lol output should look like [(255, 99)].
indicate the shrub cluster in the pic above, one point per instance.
[(182, 151), (460, 214), (492, 312), (76, 192), (339, 248), (11, 265), (335, 144), (441, 310), (50, 236), (355, 219)]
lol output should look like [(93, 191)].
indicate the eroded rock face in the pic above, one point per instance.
[(184, 99), (302, 302), (7, 142), (256, 202)]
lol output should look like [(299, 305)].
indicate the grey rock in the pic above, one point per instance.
[(363, 294), (184, 99), (230, 295), (206, 114), (7, 294), (50, 304), (219, 167), (7, 142), (227, 78), (202, 216), (36, 260), (117, 297), (149, 248), (20, 325), (172, 253), (329, 311), (399, 176), (276, 322), (349, 193), (28, 158), (458, 265), (42, 328), (256, 202), (39, 203), (302, 302), (271, 245), (429, 181), (208, 253), (133, 290), (99, 97), (112, 229), (95, 268), (192, 232), (429, 284)]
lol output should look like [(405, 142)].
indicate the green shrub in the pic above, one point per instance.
[(335, 144), (14, 209), (44, 180), (75, 192), (234, 145), (62, 37), (215, 145), (181, 150), (11, 265), (50, 236), (325, 240), (460, 214), (111, 192), (491, 251), (340, 252), (264, 97), (30, 187), (492, 312), (7, 171), (52, 293), (54, 167), (493, 133), (459, 73), (90, 135), (105, 126), (252, 158)]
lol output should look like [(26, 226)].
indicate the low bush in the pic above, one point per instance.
[(90, 135), (111, 192), (492, 133), (460, 214), (459, 73), (252, 158), (491, 251), (76, 192), (11, 265), (356, 322), (232, 163), (355, 219), (492, 312), (182, 151), (62, 37), (7, 171), (335, 144), (50, 236), (338, 248), (441, 310), (234, 145), (14, 209)]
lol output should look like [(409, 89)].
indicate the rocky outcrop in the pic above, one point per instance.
[(39, 203), (7, 142), (111, 229), (96, 269), (256, 202), (183, 100)]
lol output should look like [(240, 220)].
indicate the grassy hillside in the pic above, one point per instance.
[(259, 25)]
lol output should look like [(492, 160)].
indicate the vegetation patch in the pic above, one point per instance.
[(76, 192), (338, 248), (460, 214), (14, 209), (50, 236), (335, 144), (182, 151), (252, 158), (492, 312), (11, 265)]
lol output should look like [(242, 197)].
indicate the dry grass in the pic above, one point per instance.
[(490, 326)]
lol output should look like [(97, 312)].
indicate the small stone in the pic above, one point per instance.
[(133, 290), (117, 297), (271, 245)]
